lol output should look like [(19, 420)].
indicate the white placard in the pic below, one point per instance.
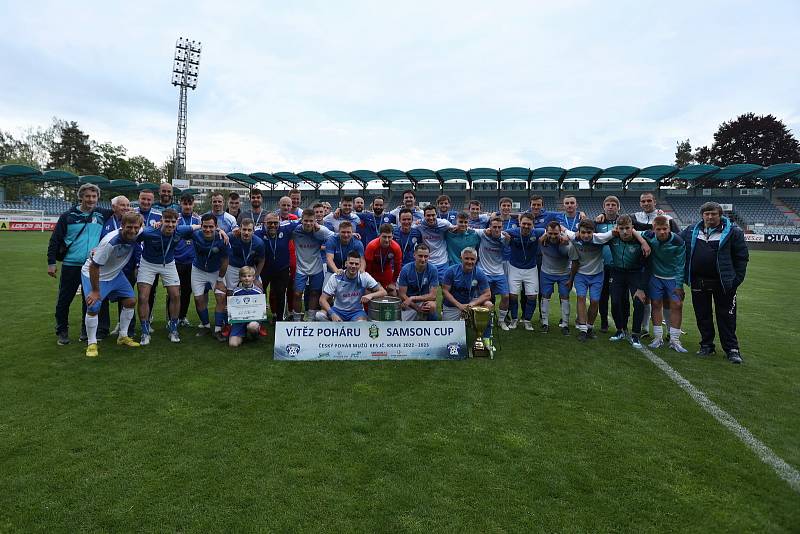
[(246, 308)]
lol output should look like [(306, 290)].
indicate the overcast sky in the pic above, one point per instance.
[(351, 85)]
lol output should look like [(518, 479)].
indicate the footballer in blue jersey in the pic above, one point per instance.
[(406, 235), (477, 220), (150, 216), (338, 246), (433, 232), (370, 223), (464, 286), (570, 217), (276, 274), (490, 261), (351, 290), (247, 249), (417, 286), (443, 211), (523, 274), (158, 259), (208, 270)]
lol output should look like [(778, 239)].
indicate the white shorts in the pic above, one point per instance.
[(451, 314), (231, 278), (148, 271), (202, 281), (525, 279)]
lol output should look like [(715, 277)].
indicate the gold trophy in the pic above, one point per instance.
[(478, 319)]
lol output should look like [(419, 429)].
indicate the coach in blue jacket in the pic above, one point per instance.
[(716, 264)]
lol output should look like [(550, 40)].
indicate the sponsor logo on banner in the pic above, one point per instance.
[(365, 340), (754, 238), (782, 238), (30, 226)]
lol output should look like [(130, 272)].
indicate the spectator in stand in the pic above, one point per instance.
[(716, 265), (76, 233)]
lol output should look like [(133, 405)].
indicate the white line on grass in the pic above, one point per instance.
[(788, 473)]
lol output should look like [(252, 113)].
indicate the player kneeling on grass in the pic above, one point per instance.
[(417, 287), (667, 260), (102, 278), (351, 290), (253, 329), (158, 259)]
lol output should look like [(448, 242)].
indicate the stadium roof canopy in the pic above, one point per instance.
[(17, 173), (122, 185), (57, 177), (620, 173), (93, 179), (364, 176), (586, 173), (311, 177), (262, 177), (417, 175), (780, 171), (511, 174), (451, 174), (697, 172), (148, 186), (482, 174), (337, 177), (657, 172), (393, 175), (548, 173)]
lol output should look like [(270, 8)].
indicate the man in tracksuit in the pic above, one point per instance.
[(605, 222), (628, 276), (716, 264)]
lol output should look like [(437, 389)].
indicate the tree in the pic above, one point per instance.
[(683, 154), (143, 170), (73, 149), (111, 161)]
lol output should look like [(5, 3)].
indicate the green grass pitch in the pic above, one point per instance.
[(552, 435)]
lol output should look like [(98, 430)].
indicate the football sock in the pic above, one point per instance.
[(125, 318), (530, 307), (667, 316), (545, 311), (565, 312), (219, 320), (658, 332), (173, 325), (674, 334), (583, 328), (91, 328), (513, 308), (503, 314), (145, 327), (648, 309), (203, 314)]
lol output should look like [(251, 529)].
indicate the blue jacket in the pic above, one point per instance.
[(70, 231), (732, 256)]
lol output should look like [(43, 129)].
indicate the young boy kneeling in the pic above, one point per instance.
[(253, 329)]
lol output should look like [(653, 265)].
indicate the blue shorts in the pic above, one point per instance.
[(348, 315), (239, 330), (591, 283), (314, 281), (662, 289), (498, 284), (546, 284), (116, 289)]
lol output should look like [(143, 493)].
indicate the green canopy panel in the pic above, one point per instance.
[(18, 171), (263, 177), (287, 177), (583, 173), (482, 174), (418, 175), (190, 191), (780, 171), (93, 179), (58, 176), (736, 171), (658, 172), (697, 172), (515, 173), (338, 177), (548, 173), (312, 177), (148, 186), (451, 174), (622, 173), (241, 179), (392, 175), (123, 185), (365, 176)]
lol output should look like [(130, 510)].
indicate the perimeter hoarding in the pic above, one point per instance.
[(371, 340)]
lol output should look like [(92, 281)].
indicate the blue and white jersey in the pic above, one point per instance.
[(307, 248), (208, 254), (524, 250), (418, 283), (590, 253), (157, 247), (542, 220), (340, 251), (509, 224), (111, 255), (570, 222), (480, 223), (242, 291), (465, 287), (433, 236), (347, 292), (277, 248), (243, 253), (332, 223), (490, 254), (556, 258), (225, 221), (150, 217), (184, 250), (369, 227), (407, 242), (416, 214), (449, 216)]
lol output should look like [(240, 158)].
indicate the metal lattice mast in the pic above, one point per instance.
[(184, 75)]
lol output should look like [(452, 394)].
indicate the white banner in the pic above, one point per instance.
[(371, 340), (754, 238), (246, 308), (180, 183)]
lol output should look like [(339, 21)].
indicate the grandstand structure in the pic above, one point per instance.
[(679, 192)]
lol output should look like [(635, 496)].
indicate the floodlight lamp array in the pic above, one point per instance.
[(186, 66)]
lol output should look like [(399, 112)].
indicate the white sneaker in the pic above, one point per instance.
[(513, 324), (677, 347), (174, 337), (145, 340), (528, 326), (656, 344), (114, 332), (184, 322), (504, 326), (203, 330)]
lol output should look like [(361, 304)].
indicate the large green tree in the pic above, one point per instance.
[(73, 149), (111, 161), (143, 170), (683, 154)]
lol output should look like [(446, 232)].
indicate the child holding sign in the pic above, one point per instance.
[(253, 329)]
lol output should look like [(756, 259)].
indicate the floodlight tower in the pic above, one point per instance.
[(184, 75)]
